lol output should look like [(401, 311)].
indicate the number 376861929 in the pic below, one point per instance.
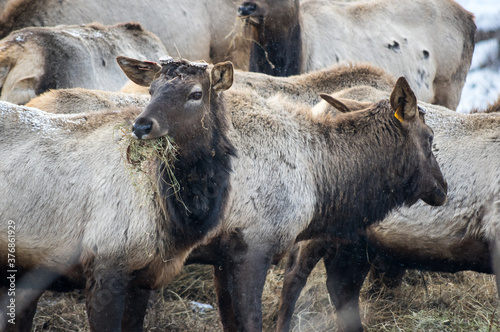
[(11, 234)]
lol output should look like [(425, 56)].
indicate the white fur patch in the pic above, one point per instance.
[(319, 109)]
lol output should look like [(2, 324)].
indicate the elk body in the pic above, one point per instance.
[(36, 59), (292, 37), (81, 222), (294, 176), (193, 29), (460, 235)]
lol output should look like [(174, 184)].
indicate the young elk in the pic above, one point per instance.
[(461, 235), (294, 176)]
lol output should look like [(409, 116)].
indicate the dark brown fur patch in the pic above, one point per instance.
[(202, 171), (336, 215), (277, 55)]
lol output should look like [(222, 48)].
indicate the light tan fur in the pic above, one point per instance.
[(429, 42), (34, 59), (81, 193), (131, 87), (307, 87), (281, 145), (80, 100), (194, 29), (18, 74)]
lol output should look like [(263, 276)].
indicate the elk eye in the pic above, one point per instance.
[(195, 95)]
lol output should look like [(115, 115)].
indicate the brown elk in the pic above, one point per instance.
[(293, 37), (194, 29), (36, 59), (294, 177), (460, 235), (304, 88)]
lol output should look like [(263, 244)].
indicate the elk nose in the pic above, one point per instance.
[(247, 8), (142, 128)]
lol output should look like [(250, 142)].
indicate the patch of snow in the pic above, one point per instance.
[(200, 307), (49, 125), (482, 85), (126, 99), (73, 33), (485, 53), (84, 33), (487, 12)]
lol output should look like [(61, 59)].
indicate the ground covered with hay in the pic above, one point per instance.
[(464, 301)]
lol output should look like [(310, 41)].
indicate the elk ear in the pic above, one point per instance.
[(403, 101), (222, 76), (337, 104), (138, 71), (4, 70), (345, 105)]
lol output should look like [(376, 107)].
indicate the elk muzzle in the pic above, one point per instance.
[(438, 196), (141, 128), (247, 8)]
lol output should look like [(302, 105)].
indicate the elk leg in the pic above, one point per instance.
[(301, 261), (346, 272), (136, 303), (106, 296), (28, 289), (224, 288), (495, 257), (25, 309), (386, 273), (249, 276), (240, 282)]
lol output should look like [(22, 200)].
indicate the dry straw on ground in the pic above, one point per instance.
[(427, 302)]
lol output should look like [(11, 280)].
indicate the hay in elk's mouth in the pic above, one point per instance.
[(143, 159)]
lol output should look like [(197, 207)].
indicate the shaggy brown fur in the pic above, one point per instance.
[(307, 87), (312, 200), (82, 197), (458, 236)]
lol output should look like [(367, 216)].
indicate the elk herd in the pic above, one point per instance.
[(300, 130)]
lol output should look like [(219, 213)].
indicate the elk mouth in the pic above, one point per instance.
[(438, 196), (252, 12)]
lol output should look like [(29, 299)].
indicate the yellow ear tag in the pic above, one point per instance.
[(399, 114)]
